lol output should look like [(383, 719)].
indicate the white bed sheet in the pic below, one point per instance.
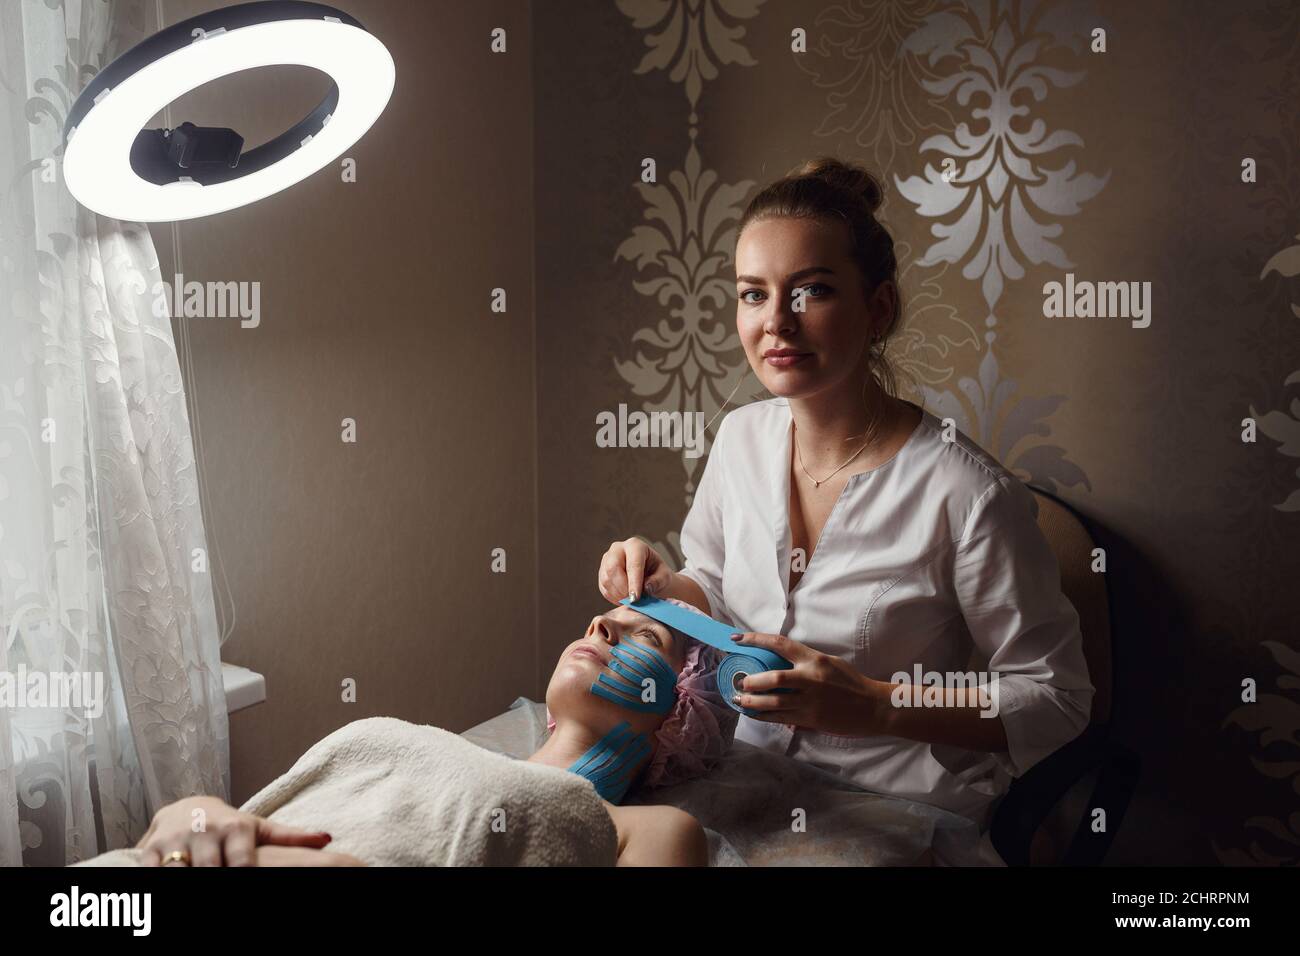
[(748, 806)]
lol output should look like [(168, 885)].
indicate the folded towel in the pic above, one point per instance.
[(392, 793)]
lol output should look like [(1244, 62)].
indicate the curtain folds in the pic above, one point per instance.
[(104, 574)]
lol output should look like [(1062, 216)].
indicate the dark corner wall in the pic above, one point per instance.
[(476, 430)]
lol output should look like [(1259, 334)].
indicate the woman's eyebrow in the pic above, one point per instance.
[(801, 274)]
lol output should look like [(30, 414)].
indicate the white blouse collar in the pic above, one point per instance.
[(779, 483)]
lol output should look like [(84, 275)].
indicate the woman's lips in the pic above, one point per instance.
[(584, 651), (785, 360)]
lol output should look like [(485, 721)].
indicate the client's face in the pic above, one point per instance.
[(569, 695)]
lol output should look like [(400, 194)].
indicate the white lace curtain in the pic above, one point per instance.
[(103, 564)]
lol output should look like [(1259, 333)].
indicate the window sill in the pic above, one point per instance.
[(244, 688)]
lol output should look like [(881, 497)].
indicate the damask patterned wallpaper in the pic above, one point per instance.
[(1021, 143)]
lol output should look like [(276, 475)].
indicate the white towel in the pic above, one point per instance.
[(392, 793)]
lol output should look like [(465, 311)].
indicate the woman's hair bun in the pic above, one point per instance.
[(846, 176)]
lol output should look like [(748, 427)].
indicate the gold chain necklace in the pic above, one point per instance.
[(817, 483)]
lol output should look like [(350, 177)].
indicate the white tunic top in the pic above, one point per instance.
[(934, 558)]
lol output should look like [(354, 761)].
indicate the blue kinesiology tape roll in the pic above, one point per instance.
[(610, 761), (736, 666)]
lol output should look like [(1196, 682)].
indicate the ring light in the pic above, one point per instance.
[(115, 167)]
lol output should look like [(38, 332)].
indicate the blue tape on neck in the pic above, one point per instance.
[(736, 666), (610, 762)]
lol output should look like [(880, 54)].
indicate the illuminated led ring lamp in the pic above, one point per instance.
[(115, 167)]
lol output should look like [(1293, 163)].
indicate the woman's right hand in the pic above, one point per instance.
[(224, 836), (631, 568)]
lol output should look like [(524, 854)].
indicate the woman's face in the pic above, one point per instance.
[(825, 344), (569, 695)]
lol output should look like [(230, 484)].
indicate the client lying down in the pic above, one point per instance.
[(632, 703)]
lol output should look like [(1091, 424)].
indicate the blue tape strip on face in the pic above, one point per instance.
[(632, 665), (629, 699), (646, 662), (620, 686), (626, 665), (735, 666), (610, 761)]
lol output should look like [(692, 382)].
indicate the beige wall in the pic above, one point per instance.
[(371, 561)]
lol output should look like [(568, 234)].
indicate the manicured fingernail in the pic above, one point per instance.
[(632, 595), (736, 637), (735, 698)]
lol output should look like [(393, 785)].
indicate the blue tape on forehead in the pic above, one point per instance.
[(610, 762), (738, 663), (703, 628)]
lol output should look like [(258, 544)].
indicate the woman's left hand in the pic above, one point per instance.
[(820, 692), (206, 831)]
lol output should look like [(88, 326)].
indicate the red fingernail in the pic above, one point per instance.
[(736, 637)]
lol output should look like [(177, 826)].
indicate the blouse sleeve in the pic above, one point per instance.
[(1008, 585), (703, 543)]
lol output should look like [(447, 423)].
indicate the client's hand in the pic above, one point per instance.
[(302, 856), (219, 835)]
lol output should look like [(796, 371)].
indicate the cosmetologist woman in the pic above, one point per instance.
[(849, 531)]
